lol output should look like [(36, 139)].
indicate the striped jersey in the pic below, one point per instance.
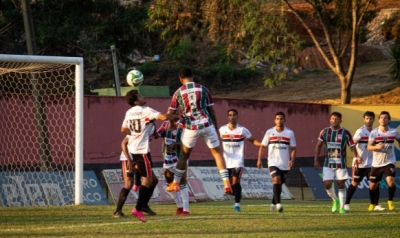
[(361, 136), (386, 155), (193, 99), (137, 120), (279, 147), (170, 136), (335, 142), (233, 145)]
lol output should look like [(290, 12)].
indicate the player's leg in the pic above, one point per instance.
[(375, 177), (235, 175), (210, 136), (153, 185), (128, 182), (342, 176), (169, 178), (184, 193), (390, 172), (275, 174), (357, 176), (188, 141), (328, 177), (137, 180)]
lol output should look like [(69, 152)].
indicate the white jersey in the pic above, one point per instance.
[(233, 145), (386, 155), (279, 147), (361, 136), (122, 156), (137, 121)]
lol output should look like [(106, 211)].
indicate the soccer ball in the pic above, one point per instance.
[(134, 78)]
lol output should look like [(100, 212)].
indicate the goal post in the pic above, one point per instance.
[(41, 130)]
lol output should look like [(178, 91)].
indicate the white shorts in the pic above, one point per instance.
[(334, 174), (209, 134)]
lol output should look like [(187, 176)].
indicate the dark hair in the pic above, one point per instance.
[(338, 114), (369, 114), (185, 73), (232, 110), (131, 97), (385, 113), (280, 114)]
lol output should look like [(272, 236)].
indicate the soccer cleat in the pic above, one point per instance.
[(335, 205), (118, 214), (347, 207), (390, 205), (237, 209), (179, 211), (279, 207), (342, 211), (184, 213), (149, 211), (173, 187), (228, 187), (272, 208), (139, 215), (371, 207), (136, 188), (379, 208)]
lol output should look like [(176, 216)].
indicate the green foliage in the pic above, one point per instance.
[(394, 52)]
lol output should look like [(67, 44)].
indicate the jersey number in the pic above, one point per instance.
[(134, 125)]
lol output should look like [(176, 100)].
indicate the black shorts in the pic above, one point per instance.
[(359, 174), (124, 165), (377, 172), (235, 172), (143, 164), (275, 171)]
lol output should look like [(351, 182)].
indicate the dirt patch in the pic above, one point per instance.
[(372, 85)]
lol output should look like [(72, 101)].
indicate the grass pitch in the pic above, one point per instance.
[(207, 219)]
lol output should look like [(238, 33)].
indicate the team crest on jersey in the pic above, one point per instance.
[(279, 138), (174, 133), (384, 138), (339, 136)]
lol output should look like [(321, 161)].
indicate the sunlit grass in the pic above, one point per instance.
[(207, 219)]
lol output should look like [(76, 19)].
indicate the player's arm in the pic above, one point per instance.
[(124, 147), (166, 117), (316, 154), (213, 117), (260, 154), (125, 130), (292, 156), (254, 141), (372, 146)]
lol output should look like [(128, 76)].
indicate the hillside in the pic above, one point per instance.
[(371, 86)]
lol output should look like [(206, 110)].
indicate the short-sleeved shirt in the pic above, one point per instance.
[(335, 142), (362, 135), (193, 99), (386, 155), (170, 136), (279, 147), (137, 120), (233, 145)]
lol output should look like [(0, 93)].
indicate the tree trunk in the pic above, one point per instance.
[(345, 90)]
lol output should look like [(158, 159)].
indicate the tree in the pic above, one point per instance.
[(340, 21)]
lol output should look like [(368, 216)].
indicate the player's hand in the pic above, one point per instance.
[(380, 146), (359, 160), (129, 167), (259, 164), (291, 164), (316, 164)]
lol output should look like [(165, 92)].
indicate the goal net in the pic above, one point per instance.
[(41, 130)]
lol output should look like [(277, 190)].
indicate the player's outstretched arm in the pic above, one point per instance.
[(254, 141), (317, 151)]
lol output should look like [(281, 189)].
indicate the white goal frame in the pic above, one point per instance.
[(79, 89)]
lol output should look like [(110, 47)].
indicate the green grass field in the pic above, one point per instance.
[(207, 219)]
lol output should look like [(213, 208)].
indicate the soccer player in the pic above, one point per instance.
[(171, 132), (381, 143), (335, 138), (362, 170), (281, 145), (198, 119), (137, 123), (233, 136)]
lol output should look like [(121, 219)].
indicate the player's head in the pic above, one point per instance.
[(232, 116), (133, 98), (369, 118), (185, 74), (280, 119), (384, 118), (335, 119)]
